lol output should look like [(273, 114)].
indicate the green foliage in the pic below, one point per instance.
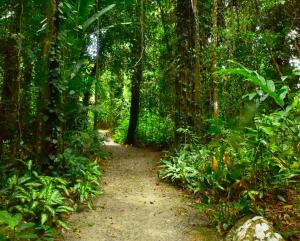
[(52, 95), (152, 129), (243, 165), (267, 86), (12, 227), (225, 214), (41, 199), (86, 143), (96, 16), (85, 175), (44, 200)]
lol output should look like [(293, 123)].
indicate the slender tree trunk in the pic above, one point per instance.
[(138, 49), (97, 73), (214, 59), (97, 95), (10, 103), (164, 25), (197, 76), (49, 124), (25, 124), (184, 80), (10, 91), (170, 73)]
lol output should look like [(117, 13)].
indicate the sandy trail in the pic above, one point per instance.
[(135, 206)]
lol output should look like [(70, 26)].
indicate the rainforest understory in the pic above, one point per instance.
[(148, 120)]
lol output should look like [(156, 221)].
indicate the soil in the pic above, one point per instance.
[(136, 206)]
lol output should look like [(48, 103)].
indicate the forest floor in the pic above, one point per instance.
[(136, 206)]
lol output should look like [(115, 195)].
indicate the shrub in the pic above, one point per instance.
[(84, 174), (246, 164)]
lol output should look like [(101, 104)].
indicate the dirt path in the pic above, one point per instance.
[(135, 206)]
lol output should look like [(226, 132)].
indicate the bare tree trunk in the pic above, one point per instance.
[(171, 82), (97, 72), (197, 76), (214, 59), (137, 77), (25, 99), (10, 91), (184, 78), (97, 93), (10, 104)]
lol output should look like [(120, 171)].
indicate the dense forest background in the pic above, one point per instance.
[(216, 82)]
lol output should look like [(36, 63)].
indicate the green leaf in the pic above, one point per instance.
[(270, 85), (28, 236), (51, 210), (267, 130), (281, 198), (10, 220), (25, 226), (92, 19), (283, 92), (4, 216), (63, 224), (252, 76), (44, 218), (14, 221)]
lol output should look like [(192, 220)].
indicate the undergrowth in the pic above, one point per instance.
[(35, 205), (152, 129), (244, 169)]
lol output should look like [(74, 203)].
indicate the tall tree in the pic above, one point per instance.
[(11, 51), (184, 80), (49, 122), (137, 78), (214, 59), (197, 75), (97, 71)]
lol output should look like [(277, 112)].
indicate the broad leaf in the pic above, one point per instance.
[(44, 218), (267, 86), (92, 19)]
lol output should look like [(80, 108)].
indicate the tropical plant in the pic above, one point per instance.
[(12, 227)]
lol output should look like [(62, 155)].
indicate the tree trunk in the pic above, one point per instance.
[(197, 76), (214, 59), (25, 117), (10, 92), (49, 124), (10, 104), (138, 50), (184, 80), (97, 73)]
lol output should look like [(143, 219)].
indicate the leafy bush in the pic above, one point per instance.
[(242, 165), (86, 143), (43, 201), (85, 175), (37, 197)]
